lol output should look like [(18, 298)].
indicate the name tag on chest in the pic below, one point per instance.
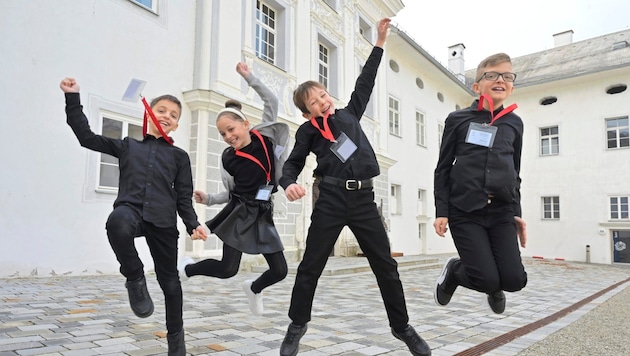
[(481, 134), (264, 193), (343, 148)]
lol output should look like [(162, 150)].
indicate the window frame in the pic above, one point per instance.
[(619, 207), (126, 121), (153, 7), (261, 27), (421, 129), (554, 207), (393, 116), (617, 130), (323, 63), (546, 141), (395, 192)]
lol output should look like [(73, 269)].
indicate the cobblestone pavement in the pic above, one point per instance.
[(90, 315)]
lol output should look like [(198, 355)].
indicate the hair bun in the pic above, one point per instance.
[(235, 104)]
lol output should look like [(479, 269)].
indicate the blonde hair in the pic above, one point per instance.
[(492, 60)]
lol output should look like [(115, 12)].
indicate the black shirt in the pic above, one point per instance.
[(362, 164), (248, 175), (466, 174), (155, 176)]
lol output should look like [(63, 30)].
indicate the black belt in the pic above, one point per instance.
[(348, 184)]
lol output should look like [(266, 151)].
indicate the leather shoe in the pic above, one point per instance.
[(139, 297), (496, 301), (176, 344), (416, 344), (291, 342)]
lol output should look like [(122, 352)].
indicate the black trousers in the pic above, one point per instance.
[(123, 226), (334, 209), (228, 266), (487, 244)]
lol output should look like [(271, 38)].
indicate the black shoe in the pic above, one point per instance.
[(444, 288), (416, 344), (139, 297), (291, 342), (496, 301), (176, 344)]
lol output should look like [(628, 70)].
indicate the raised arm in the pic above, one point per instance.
[(270, 109)]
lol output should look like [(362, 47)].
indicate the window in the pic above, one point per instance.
[(365, 30), (323, 65), (332, 4), (420, 129), (422, 203), (551, 208), (618, 132), (265, 32), (440, 134), (108, 165), (619, 208), (422, 228), (395, 200), (394, 116), (147, 4), (549, 141)]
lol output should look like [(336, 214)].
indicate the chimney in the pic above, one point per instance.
[(456, 61), (563, 38)]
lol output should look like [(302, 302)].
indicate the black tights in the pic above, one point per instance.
[(228, 267)]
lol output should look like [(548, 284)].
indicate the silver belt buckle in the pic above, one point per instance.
[(350, 182)]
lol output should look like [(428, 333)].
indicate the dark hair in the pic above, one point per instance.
[(300, 94), (232, 104), (491, 61), (169, 98)]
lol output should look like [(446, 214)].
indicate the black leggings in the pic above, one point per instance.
[(228, 267)]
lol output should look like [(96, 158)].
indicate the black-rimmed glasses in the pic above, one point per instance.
[(494, 76)]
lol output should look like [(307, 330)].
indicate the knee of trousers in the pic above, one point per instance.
[(120, 225), (170, 287), (514, 283), (280, 274), (487, 284)]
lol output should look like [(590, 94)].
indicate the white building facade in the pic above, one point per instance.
[(56, 196)]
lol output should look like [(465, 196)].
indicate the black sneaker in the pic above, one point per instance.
[(444, 289), (176, 344), (139, 297), (291, 342), (496, 301), (416, 344)]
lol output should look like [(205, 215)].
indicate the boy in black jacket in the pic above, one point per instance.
[(477, 190), (346, 164), (155, 185)]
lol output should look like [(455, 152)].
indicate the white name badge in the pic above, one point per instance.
[(264, 193), (481, 134), (343, 148)]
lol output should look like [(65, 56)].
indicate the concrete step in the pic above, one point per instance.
[(350, 265)]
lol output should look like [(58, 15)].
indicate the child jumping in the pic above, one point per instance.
[(249, 166), (155, 185), (346, 165)]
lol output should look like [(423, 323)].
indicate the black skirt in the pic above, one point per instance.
[(247, 225)]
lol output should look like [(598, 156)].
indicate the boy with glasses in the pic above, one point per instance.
[(477, 190)]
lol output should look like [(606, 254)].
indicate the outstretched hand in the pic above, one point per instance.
[(69, 85), (243, 69), (383, 26)]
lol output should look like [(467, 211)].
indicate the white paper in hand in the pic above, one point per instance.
[(134, 90)]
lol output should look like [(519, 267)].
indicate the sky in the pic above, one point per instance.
[(515, 27)]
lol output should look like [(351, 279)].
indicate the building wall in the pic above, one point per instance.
[(583, 175), (52, 219)]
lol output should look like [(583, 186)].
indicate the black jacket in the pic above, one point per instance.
[(466, 174), (155, 176), (362, 164)]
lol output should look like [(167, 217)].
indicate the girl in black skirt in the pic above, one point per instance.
[(249, 166)]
